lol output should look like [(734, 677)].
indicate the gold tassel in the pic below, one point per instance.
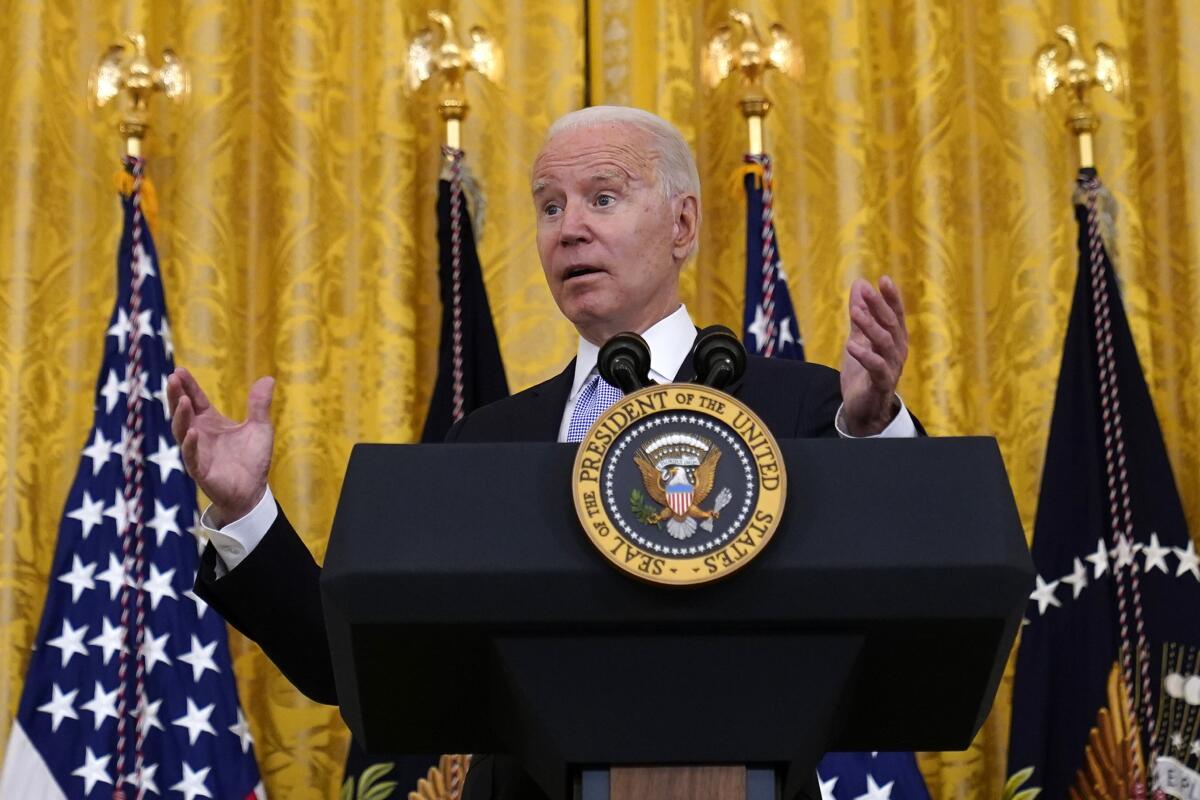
[(124, 183), (737, 179)]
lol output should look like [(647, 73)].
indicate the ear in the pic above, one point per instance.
[(687, 225)]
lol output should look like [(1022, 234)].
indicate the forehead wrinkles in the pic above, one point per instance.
[(606, 159)]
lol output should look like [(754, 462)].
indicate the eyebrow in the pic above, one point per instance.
[(607, 176)]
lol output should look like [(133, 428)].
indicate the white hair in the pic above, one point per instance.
[(674, 164)]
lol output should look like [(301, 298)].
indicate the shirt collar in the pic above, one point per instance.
[(670, 340)]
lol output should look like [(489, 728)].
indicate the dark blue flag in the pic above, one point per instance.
[(130, 687), (1106, 698), (769, 320), (771, 329), (470, 374)]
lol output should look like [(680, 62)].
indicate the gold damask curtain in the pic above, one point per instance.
[(296, 230)]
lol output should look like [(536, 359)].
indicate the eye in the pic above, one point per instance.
[(551, 210), (605, 200)]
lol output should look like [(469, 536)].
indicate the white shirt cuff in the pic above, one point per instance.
[(236, 540), (901, 426)]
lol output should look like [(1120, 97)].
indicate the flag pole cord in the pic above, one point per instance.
[(1120, 509), (766, 347), (132, 540), (454, 155)]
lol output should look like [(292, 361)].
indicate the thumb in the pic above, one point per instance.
[(258, 404)]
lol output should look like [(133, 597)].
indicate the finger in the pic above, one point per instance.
[(190, 446), (174, 391), (882, 375), (192, 389), (181, 420), (258, 404), (880, 309), (880, 338), (891, 293)]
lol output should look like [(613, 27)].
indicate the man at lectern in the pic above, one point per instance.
[(616, 197)]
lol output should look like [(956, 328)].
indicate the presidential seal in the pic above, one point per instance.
[(679, 484)]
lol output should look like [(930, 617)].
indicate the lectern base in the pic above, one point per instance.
[(678, 783)]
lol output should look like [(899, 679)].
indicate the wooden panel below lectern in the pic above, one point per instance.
[(677, 783)]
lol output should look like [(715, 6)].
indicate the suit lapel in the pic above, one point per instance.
[(546, 403)]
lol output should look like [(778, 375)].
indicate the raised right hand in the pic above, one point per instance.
[(228, 460)]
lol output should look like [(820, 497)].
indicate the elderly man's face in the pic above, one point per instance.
[(610, 242)]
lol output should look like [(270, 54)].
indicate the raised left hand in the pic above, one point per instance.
[(874, 356)]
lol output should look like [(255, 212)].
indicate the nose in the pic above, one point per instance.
[(574, 228)]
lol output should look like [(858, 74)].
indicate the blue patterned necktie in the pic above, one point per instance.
[(595, 398)]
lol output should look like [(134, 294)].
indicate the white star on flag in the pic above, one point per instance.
[(94, 770), (102, 705), (154, 649), (90, 513), (79, 578), (201, 606), (1044, 594), (200, 658), (1189, 561), (112, 390), (147, 715), (1099, 559), (141, 264), (167, 459), (118, 512), (164, 333), (241, 730), (758, 328), (70, 641), (875, 791), (60, 707), (164, 521), (120, 329), (1077, 579), (827, 787), (192, 785), (158, 586), (111, 639), (99, 451), (785, 331), (145, 325), (114, 576), (1155, 555), (161, 397), (196, 721), (1124, 552), (146, 783)]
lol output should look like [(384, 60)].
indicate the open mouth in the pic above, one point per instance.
[(580, 271)]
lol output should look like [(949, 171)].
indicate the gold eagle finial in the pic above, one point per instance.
[(131, 73), (438, 52), (1060, 66), (741, 48)]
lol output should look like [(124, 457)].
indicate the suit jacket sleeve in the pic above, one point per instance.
[(274, 598)]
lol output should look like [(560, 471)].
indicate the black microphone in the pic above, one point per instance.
[(624, 362), (718, 357)]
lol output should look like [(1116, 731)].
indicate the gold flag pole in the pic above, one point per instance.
[(740, 48), (134, 76), (1060, 66), (438, 53)]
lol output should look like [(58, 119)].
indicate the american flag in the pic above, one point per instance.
[(769, 318), (130, 691), (772, 330)]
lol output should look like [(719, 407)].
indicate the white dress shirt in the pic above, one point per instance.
[(670, 341)]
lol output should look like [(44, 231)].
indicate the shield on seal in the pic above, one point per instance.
[(679, 497)]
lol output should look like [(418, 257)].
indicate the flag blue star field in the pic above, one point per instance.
[(101, 716), (769, 319), (1106, 696), (772, 330)]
